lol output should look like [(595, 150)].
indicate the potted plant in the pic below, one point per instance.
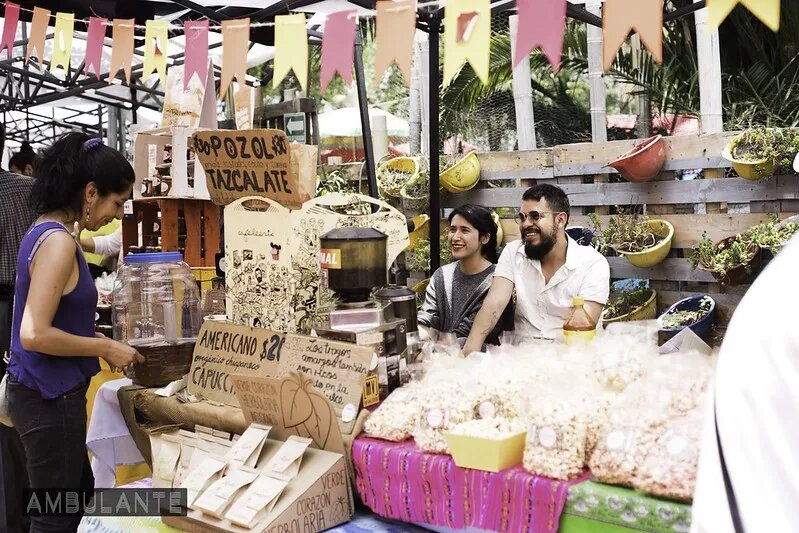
[(695, 312), (461, 176), (636, 303), (416, 192), (761, 152), (393, 174), (732, 261), (772, 235), (644, 161), (643, 241)]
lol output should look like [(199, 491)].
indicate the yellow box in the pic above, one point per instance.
[(205, 276), (490, 455)]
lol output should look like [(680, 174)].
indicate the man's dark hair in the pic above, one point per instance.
[(554, 196)]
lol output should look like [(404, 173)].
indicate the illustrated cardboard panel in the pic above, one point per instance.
[(281, 288)]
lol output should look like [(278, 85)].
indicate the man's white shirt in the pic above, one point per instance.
[(542, 308)]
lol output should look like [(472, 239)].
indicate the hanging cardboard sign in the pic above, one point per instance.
[(337, 370), (292, 406), (248, 163), (223, 349)]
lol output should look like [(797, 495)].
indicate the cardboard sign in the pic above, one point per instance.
[(292, 406), (337, 370), (248, 163), (223, 349)]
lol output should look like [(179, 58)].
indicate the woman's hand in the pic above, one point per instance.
[(120, 356)]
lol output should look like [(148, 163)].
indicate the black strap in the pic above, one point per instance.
[(731, 500)]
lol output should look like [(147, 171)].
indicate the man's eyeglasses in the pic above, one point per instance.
[(534, 216)]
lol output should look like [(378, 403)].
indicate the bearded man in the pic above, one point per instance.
[(547, 268)]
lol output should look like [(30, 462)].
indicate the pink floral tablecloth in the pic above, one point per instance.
[(396, 480)]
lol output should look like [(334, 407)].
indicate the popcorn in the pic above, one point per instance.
[(670, 468), (617, 370), (444, 406), (396, 417), (626, 440), (556, 440)]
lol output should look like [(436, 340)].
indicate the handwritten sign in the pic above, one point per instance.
[(223, 349), (337, 369), (291, 406), (248, 163)]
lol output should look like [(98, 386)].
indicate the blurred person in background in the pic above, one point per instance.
[(101, 247), (748, 478), (15, 218), (22, 161)]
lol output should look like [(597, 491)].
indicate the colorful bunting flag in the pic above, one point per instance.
[(768, 11), (542, 23), (39, 23), (196, 32), (122, 49), (338, 47), (235, 45), (95, 36), (291, 49), (156, 39), (11, 16), (467, 29), (62, 41), (396, 26), (619, 17)]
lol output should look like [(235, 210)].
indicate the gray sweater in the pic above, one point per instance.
[(453, 299)]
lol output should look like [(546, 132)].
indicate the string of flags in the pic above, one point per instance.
[(467, 32)]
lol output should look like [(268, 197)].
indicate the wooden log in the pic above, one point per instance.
[(521, 164), (671, 269)]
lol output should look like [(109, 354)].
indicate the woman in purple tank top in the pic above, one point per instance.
[(80, 184)]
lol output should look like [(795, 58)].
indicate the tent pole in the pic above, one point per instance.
[(363, 104), (435, 142)]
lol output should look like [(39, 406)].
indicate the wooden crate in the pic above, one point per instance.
[(188, 226), (709, 203), (186, 173)]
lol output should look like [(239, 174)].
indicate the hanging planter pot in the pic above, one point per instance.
[(741, 273), (395, 173), (582, 235), (644, 311), (463, 175), (747, 167), (416, 193), (644, 162), (696, 312), (657, 253)]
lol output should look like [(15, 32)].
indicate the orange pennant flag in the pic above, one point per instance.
[(122, 49), (235, 44), (396, 27), (619, 17), (39, 23)]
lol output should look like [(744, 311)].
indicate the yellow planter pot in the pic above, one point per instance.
[(648, 311), (500, 231), (750, 170), (652, 256), (406, 165), (419, 233), (463, 175)]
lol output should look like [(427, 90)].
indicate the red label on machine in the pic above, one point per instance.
[(330, 258)]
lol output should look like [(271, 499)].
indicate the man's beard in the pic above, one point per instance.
[(539, 251)]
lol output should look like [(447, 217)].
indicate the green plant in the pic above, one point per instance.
[(627, 301), (678, 319), (420, 187), (722, 257), (778, 145), (334, 181), (419, 259), (771, 234), (624, 233)]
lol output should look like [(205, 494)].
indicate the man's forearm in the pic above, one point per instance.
[(484, 323)]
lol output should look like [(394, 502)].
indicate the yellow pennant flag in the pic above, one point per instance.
[(156, 39), (291, 49), (62, 41), (768, 11), (467, 30)]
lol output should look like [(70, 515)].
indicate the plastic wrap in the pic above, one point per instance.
[(556, 438), (396, 417), (669, 470)]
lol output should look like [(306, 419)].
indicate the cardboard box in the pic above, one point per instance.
[(319, 497), (388, 338), (490, 455), (316, 500)]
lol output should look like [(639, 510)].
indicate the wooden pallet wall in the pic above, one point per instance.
[(720, 206)]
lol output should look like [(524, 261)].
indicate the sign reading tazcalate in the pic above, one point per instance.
[(248, 163), (223, 349)]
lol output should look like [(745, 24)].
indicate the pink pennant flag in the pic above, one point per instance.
[(196, 51), (338, 47), (11, 16), (542, 23), (95, 37)]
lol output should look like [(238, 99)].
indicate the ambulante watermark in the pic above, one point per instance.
[(105, 502)]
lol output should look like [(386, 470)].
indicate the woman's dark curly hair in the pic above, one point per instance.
[(63, 171)]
